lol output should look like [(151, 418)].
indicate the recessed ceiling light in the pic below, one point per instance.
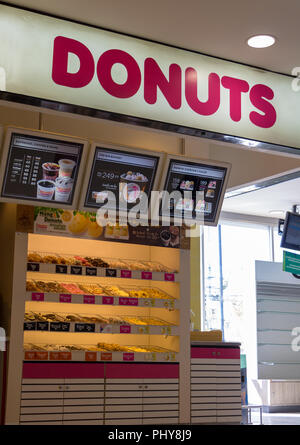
[(261, 41)]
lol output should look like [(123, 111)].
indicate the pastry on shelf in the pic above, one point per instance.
[(96, 262), (116, 264), (34, 257), (112, 347), (71, 288), (49, 286), (50, 259), (74, 318), (31, 286), (115, 291), (135, 265), (93, 289)]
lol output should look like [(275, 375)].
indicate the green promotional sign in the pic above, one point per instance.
[(291, 262)]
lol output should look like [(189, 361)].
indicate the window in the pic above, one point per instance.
[(229, 252)]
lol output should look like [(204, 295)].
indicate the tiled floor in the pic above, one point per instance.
[(276, 419)]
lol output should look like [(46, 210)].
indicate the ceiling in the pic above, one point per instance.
[(281, 196), (216, 27)]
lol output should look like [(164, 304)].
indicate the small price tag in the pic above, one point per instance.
[(107, 300), (60, 268), (128, 356), (124, 301), (65, 298), (107, 356), (125, 329), (89, 299), (65, 356), (33, 267), (91, 356), (126, 274), (29, 326), (42, 326), (55, 326), (146, 275), (91, 271), (76, 270), (30, 355), (54, 355), (111, 273), (84, 327), (169, 277), (37, 296), (41, 355)]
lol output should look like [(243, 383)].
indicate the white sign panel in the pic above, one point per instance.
[(58, 60)]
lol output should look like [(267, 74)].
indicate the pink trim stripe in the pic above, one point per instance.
[(215, 353), (63, 371)]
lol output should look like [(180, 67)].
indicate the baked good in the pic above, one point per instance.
[(34, 257)]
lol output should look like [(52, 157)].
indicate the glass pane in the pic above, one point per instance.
[(212, 313), (234, 282)]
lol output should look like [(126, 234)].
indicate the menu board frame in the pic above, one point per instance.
[(131, 150), (197, 162), (9, 132)]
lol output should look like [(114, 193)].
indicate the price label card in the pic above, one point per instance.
[(84, 327), (125, 301), (107, 356), (128, 356), (76, 270), (91, 356), (33, 267), (54, 355), (56, 326), (65, 298), (30, 355), (111, 273), (107, 300), (89, 299), (125, 329), (146, 275), (41, 355), (37, 296), (169, 277), (65, 356), (42, 326), (29, 326), (60, 268), (126, 274), (91, 271)]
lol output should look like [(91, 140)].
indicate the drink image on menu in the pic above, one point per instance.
[(57, 183), (133, 183), (63, 188), (66, 167), (50, 170), (45, 189), (41, 168)]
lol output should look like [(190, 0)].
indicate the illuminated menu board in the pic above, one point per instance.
[(199, 187), (41, 169), (124, 173)]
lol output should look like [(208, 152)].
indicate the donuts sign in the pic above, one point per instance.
[(152, 79), (77, 68)]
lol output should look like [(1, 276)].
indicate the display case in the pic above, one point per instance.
[(101, 332)]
